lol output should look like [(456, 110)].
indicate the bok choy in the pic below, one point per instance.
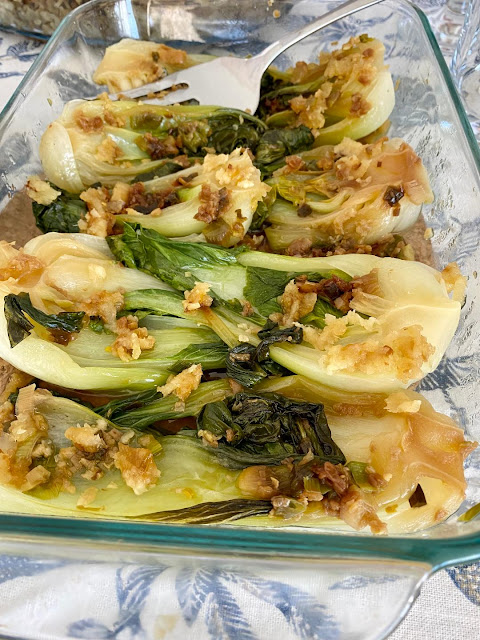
[(62, 319), (214, 200), (348, 93), (352, 192), (129, 63), (60, 457), (108, 142), (391, 322)]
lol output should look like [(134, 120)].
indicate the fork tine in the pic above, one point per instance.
[(180, 95), (145, 89)]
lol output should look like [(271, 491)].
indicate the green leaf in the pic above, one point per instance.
[(167, 168), (120, 406), (19, 311), (275, 144), (360, 475), (241, 365), (316, 318), (213, 512), (211, 356), (62, 215), (199, 128), (271, 334), (264, 286), (160, 302), (163, 408), (268, 428), (97, 325), (216, 418), (169, 260)]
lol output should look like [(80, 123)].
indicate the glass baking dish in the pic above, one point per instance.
[(430, 117)]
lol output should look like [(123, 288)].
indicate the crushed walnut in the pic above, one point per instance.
[(105, 305), (295, 304), (310, 110), (138, 468), (97, 449), (108, 151)]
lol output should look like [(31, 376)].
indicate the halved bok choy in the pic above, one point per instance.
[(355, 322), (352, 193), (129, 63), (215, 200), (348, 93), (108, 142), (344, 471), (62, 319), (406, 458)]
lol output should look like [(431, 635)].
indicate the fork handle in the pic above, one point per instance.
[(269, 54)]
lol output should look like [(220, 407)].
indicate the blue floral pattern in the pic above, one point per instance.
[(211, 600)]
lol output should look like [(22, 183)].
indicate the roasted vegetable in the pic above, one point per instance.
[(375, 344), (75, 462), (108, 142), (252, 428), (360, 194), (53, 287), (348, 93), (215, 200), (128, 64)]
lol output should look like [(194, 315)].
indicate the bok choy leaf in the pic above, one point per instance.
[(107, 142), (44, 320), (375, 343), (349, 93), (360, 194)]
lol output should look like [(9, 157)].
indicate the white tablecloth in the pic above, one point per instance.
[(56, 601)]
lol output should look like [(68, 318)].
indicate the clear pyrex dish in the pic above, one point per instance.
[(429, 115)]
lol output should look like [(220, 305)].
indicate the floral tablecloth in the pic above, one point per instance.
[(53, 600)]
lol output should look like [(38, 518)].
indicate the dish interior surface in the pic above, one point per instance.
[(428, 115)]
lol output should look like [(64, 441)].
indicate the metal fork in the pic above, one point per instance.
[(234, 82)]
